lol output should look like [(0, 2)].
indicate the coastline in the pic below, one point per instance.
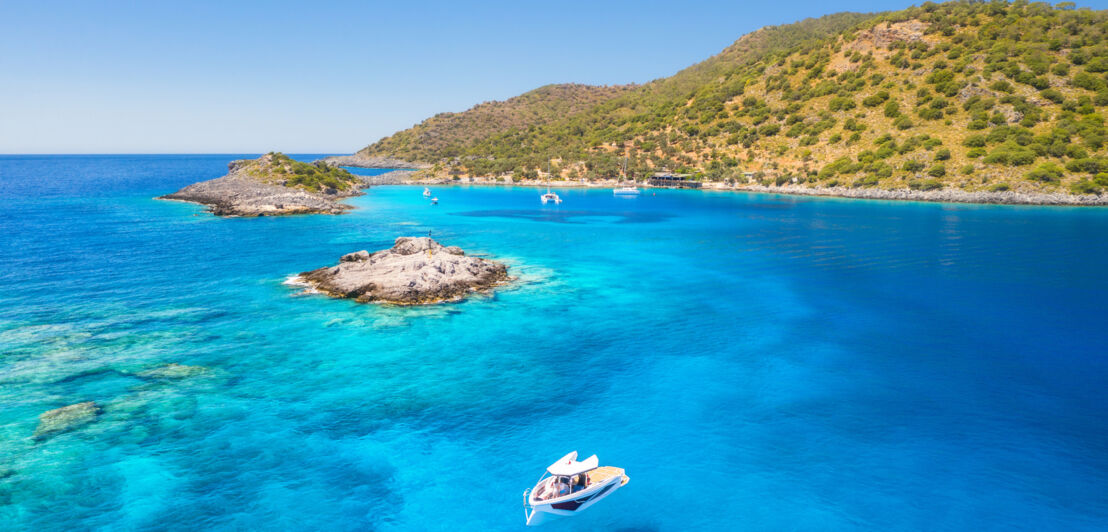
[(357, 160), (932, 196)]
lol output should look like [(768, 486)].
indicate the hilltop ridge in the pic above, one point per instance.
[(448, 135)]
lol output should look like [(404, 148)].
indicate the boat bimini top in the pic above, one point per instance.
[(568, 466)]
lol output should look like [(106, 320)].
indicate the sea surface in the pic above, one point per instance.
[(755, 362)]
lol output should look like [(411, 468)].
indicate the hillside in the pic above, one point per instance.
[(962, 95), (448, 135)]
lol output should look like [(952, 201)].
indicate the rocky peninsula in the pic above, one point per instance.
[(415, 271), (273, 185), (361, 160)]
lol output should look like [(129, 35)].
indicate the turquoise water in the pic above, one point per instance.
[(754, 361)]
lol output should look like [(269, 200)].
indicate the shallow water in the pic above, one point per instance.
[(754, 361)]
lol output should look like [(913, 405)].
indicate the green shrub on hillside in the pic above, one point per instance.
[(925, 184), (974, 141), (1085, 186), (317, 176), (876, 99), (1053, 95), (892, 109), (1046, 172), (913, 166)]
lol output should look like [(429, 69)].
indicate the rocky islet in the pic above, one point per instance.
[(414, 271)]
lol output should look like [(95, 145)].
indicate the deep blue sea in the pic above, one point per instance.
[(755, 362)]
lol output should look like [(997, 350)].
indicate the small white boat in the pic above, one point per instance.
[(549, 197), (570, 487), (434, 201), (426, 192)]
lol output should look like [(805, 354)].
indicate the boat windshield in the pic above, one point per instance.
[(560, 486)]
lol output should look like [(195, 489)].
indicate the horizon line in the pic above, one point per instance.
[(175, 153)]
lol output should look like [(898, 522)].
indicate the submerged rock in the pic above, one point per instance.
[(173, 371), (59, 420), (415, 271)]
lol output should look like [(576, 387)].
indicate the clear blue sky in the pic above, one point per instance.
[(306, 77)]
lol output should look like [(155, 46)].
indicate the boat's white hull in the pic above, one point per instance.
[(626, 192), (539, 513)]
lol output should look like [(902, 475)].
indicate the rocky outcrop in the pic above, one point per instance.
[(415, 271), (359, 160), (1009, 113), (273, 185), (883, 35), (971, 90), (53, 422)]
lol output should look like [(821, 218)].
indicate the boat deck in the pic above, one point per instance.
[(603, 473)]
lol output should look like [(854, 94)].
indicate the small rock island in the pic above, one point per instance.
[(415, 271), (274, 185)]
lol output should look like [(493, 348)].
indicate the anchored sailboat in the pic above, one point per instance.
[(625, 191)]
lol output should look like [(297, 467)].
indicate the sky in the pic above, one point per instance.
[(328, 77)]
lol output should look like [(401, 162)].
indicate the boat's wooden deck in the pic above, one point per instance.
[(603, 473)]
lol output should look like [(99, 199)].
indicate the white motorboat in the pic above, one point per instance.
[(434, 201), (568, 487), (550, 197), (426, 192)]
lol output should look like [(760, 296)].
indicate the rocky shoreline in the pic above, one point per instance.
[(267, 186), (938, 196), (415, 271), (362, 161), (395, 177)]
